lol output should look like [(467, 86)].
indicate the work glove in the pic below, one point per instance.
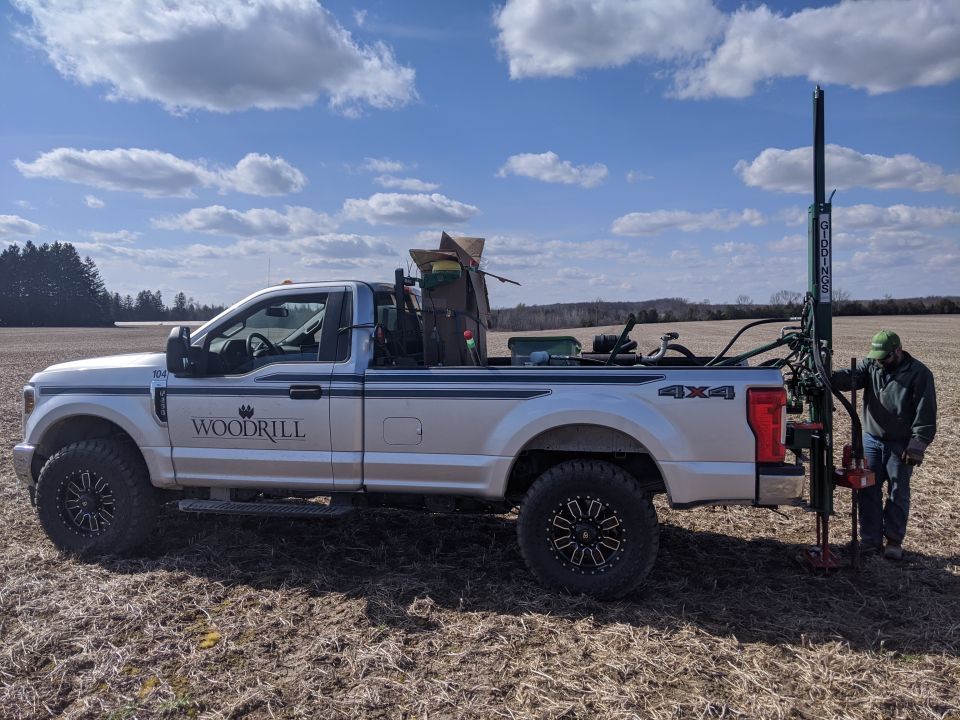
[(913, 455)]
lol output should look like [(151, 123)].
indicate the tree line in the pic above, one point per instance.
[(783, 303), (50, 284)]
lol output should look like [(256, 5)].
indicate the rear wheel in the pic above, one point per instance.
[(94, 498), (587, 527)]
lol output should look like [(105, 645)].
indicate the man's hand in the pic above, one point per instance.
[(913, 455)]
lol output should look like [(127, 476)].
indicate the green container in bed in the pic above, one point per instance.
[(521, 347)]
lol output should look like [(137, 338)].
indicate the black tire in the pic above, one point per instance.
[(94, 498), (586, 526)]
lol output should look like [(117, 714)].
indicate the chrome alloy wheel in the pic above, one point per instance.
[(87, 502), (586, 535)]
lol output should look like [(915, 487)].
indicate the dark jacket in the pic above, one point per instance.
[(898, 406)]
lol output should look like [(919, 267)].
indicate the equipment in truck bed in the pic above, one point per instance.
[(454, 300)]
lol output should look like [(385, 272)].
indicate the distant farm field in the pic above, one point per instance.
[(397, 615)]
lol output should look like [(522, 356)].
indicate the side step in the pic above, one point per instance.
[(264, 509)]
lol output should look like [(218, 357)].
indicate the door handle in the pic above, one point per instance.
[(305, 392)]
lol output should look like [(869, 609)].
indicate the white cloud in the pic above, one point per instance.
[(159, 174), (533, 261), (887, 240), (150, 172), (342, 247), (645, 224), (14, 226), (731, 247), (685, 255), (872, 217), (790, 171), (326, 246), (922, 268), (332, 247), (409, 184), (401, 209), (548, 167), (382, 165), (217, 56), (788, 243), (125, 237), (24, 204), (795, 215), (877, 45), (142, 257), (92, 201), (558, 38), (263, 175), (636, 176), (255, 223)]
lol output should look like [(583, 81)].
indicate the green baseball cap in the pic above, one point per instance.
[(883, 343)]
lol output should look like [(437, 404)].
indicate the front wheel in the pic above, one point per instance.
[(94, 498), (587, 527)]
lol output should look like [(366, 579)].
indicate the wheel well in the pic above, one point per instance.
[(74, 429), (582, 441)]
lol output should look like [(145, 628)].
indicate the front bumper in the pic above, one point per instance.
[(23, 462)]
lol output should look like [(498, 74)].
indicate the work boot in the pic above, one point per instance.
[(893, 550)]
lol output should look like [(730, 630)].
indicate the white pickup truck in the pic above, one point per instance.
[(294, 394)]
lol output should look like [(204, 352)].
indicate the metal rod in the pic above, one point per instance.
[(780, 342), (854, 530), (819, 176), (820, 266), (631, 322), (855, 541)]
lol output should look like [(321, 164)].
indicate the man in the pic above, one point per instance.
[(899, 422)]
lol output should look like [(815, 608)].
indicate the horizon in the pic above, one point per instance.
[(604, 149)]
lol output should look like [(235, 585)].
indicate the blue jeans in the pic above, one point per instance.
[(876, 519)]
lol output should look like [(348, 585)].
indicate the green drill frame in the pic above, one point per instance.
[(810, 363), (820, 274)]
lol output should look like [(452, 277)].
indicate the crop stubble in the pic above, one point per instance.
[(391, 614)]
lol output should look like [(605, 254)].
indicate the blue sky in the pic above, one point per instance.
[(621, 150)]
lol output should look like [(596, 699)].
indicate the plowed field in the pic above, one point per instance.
[(389, 614)]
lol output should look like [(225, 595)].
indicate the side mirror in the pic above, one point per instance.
[(178, 351)]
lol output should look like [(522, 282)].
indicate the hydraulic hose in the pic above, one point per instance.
[(825, 378), (742, 330), (684, 350)]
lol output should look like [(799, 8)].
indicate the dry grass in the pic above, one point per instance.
[(390, 614)]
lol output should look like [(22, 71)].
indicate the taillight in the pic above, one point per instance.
[(767, 415)]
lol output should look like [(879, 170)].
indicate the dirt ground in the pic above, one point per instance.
[(396, 615)]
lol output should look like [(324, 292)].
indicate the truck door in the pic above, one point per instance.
[(258, 413)]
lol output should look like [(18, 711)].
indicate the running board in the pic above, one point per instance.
[(263, 509)]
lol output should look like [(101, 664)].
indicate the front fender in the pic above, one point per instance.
[(132, 414)]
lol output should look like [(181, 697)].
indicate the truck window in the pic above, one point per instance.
[(409, 348), (280, 330)]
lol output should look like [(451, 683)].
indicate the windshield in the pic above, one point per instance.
[(198, 335), (290, 320)]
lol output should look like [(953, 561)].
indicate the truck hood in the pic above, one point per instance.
[(132, 369)]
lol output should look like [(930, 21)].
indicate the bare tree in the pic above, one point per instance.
[(785, 297), (744, 300), (840, 298)]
